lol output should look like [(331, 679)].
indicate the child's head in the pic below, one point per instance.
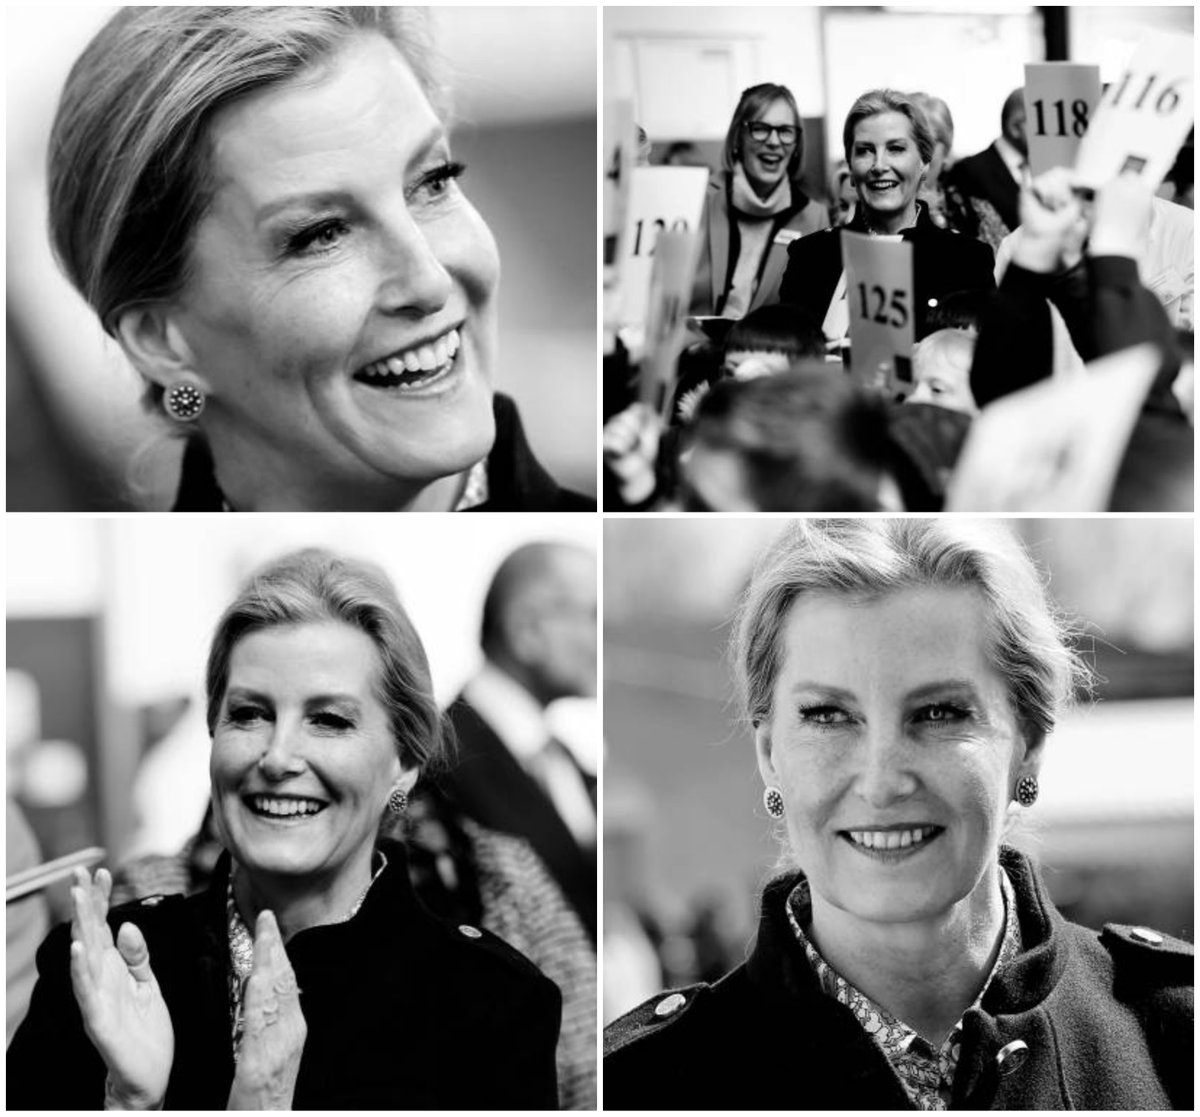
[(769, 340), (942, 371)]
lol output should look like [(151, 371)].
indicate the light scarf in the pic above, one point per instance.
[(754, 217)]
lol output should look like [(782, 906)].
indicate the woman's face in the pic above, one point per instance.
[(885, 163), (896, 748), (766, 161), (340, 304), (303, 756)]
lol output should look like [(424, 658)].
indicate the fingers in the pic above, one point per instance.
[(133, 949)]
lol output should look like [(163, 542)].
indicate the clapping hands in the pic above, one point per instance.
[(123, 1010)]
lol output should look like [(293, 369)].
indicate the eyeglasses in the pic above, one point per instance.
[(760, 132)]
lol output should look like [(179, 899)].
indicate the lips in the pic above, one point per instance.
[(415, 367), (284, 806), (893, 839)]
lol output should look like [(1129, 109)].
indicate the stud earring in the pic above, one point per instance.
[(183, 402), (773, 801), (1027, 790), (398, 801)]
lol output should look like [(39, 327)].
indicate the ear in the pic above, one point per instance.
[(764, 751), (407, 779), (1034, 739), (157, 348)]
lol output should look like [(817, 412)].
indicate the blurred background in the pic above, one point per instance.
[(685, 67), (525, 97), (687, 843), (109, 622)]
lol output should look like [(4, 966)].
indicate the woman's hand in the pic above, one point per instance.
[(123, 1010), (631, 451), (274, 1031), (1053, 223)]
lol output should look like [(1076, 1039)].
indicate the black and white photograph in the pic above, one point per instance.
[(332, 780), (898, 814), (301, 259), (964, 232)]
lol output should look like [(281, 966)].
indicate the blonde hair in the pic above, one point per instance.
[(1029, 642)]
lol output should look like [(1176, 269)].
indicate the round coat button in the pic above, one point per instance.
[(1144, 934), (669, 1005), (1012, 1055), (469, 931)]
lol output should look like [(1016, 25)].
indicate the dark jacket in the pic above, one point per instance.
[(987, 176), (403, 1011), (943, 261), (1107, 1020), (517, 481), (487, 783), (720, 246)]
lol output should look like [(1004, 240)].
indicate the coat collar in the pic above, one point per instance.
[(922, 228), (780, 972)]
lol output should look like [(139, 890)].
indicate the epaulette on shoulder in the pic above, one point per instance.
[(652, 1016), (484, 942), (1145, 947)]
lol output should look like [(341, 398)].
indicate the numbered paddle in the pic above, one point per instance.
[(1144, 116), (1060, 99), (879, 294), (666, 317)]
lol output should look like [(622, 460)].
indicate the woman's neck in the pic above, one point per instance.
[(890, 224), (300, 902), (254, 481), (925, 972)]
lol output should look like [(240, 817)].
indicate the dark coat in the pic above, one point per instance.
[(403, 1011), (987, 176), (517, 481), (1106, 1017), (487, 783), (720, 245), (943, 262)]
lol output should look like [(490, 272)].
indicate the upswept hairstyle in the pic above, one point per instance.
[(876, 101), (1029, 643), (938, 117), (129, 159), (312, 586), (753, 101)]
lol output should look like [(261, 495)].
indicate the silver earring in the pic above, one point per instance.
[(183, 402), (398, 801), (773, 801), (1027, 790)]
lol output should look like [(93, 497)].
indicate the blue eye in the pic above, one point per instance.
[(941, 713), (823, 716), (321, 237), (436, 183)]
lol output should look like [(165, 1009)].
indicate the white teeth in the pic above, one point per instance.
[(423, 358), (395, 366), (284, 807), (453, 341), (428, 361), (411, 361), (890, 839), (439, 352)]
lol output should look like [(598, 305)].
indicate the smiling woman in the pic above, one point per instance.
[(262, 207), (307, 974), (901, 678)]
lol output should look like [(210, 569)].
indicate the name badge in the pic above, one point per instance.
[(1167, 286), (786, 236)]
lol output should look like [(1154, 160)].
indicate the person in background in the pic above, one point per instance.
[(754, 206), (889, 147), (985, 188), (843, 195), (510, 773), (941, 366), (901, 679), (684, 153), (941, 123), (26, 921)]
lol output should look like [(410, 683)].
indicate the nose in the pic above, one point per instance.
[(885, 775), (282, 757), (415, 281)]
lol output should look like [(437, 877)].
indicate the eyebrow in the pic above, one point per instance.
[(329, 199), (926, 690)]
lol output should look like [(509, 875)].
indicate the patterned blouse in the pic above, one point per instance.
[(926, 1073)]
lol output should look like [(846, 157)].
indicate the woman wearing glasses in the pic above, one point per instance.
[(755, 207)]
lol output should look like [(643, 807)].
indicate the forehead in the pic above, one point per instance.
[(360, 111), (891, 643), (319, 657), (883, 126), (777, 111)]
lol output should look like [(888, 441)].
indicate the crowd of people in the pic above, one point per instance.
[(1016, 279)]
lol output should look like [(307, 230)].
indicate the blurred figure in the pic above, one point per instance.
[(754, 206), (942, 371), (684, 153), (985, 188), (843, 195), (889, 147), (937, 113), (803, 441), (509, 772), (25, 922)]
